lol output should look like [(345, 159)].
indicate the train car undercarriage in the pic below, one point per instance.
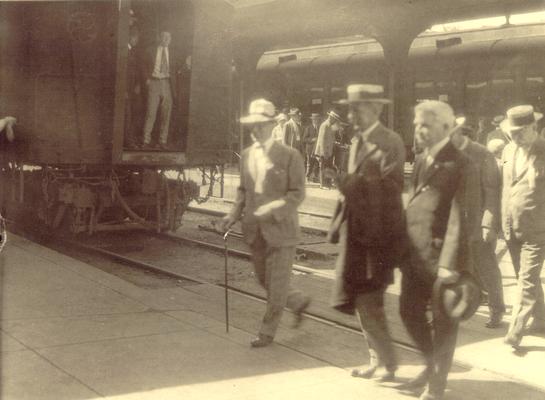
[(79, 199)]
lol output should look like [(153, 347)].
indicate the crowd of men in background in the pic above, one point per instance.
[(462, 196)]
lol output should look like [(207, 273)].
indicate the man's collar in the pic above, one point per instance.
[(437, 147), (265, 146), (366, 132)]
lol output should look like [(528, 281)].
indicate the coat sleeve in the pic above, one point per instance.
[(281, 208), (240, 200), (452, 245), (393, 162), (491, 185)]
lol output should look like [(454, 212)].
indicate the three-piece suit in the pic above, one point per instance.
[(158, 75), (272, 185), (523, 224), (436, 234), (482, 210), (369, 225), (310, 137), (293, 135), (324, 148)]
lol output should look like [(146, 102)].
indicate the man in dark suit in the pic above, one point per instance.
[(437, 249), (272, 185), (370, 223), (157, 75), (310, 136), (482, 212), (523, 216), (293, 130)]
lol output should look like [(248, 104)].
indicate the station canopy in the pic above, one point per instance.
[(263, 24)]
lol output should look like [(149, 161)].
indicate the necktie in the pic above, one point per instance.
[(164, 61)]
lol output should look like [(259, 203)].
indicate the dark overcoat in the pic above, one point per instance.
[(436, 224), (368, 222)]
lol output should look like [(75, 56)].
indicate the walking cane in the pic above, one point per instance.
[(226, 257)]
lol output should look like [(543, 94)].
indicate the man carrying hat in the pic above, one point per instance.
[(325, 145), (482, 211), (309, 142), (293, 130), (369, 225), (272, 185), (523, 216), (437, 243)]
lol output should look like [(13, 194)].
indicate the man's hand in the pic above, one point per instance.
[(226, 223), (489, 235), (263, 212), (447, 276)]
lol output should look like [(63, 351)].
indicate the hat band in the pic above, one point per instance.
[(522, 121)]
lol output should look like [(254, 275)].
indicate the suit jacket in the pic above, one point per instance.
[(436, 227), (369, 219), (482, 193), (309, 139), (326, 140), (523, 197), (147, 63), (293, 135), (283, 191)]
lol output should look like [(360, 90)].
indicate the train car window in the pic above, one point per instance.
[(474, 98), (535, 91), (501, 95), (424, 91)]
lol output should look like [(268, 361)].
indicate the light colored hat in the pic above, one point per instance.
[(457, 301), (294, 111), (519, 117), (260, 111), (364, 93), (281, 117), (495, 145), (497, 120), (315, 116)]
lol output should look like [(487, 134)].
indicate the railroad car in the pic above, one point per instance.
[(480, 72), (64, 74)]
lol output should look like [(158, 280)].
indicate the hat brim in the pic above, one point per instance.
[(506, 126), (463, 307), (377, 100), (256, 119)]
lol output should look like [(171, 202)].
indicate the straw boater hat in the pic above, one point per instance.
[(260, 111), (364, 93), (294, 111), (281, 117), (519, 117)]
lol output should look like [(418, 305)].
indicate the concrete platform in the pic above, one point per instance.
[(71, 331)]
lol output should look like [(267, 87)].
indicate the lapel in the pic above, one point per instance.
[(363, 149), (514, 176), (443, 155)]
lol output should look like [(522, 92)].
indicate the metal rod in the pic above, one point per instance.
[(226, 257)]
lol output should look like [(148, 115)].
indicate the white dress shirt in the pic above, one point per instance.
[(260, 163), (157, 67)]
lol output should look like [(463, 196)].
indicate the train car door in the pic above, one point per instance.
[(208, 136)]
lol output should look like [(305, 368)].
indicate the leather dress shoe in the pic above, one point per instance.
[(387, 376), (427, 395), (299, 312), (365, 373), (512, 341), (418, 381), (495, 320), (261, 341)]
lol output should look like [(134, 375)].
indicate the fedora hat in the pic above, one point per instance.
[(260, 111), (294, 111), (364, 93), (519, 117), (457, 301)]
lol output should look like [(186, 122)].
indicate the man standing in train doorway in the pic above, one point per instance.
[(157, 75), (369, 225), (272, 186)]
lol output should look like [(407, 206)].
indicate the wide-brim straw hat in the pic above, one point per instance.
[(364, 93), (260, 111), (519, 117)]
